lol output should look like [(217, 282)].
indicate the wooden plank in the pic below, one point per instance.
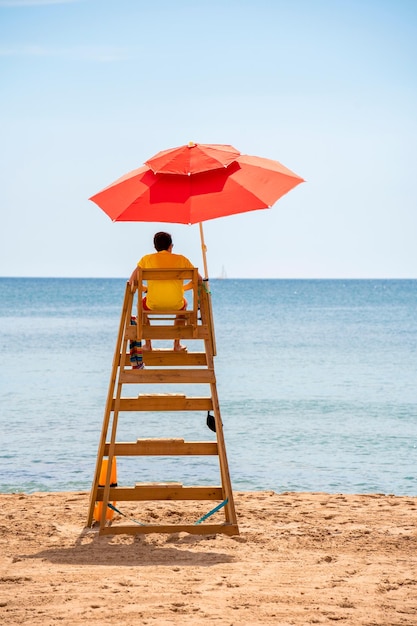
[(192, 529), (171, 358), (167, 376), (172, 332), (133, 494), (180, 332), (163, 448), (171, 273), (169, 332), (165, 402)]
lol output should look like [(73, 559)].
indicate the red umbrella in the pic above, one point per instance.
[(192, 158), (247, 184)]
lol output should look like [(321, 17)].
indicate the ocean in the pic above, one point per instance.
[(317, 381)]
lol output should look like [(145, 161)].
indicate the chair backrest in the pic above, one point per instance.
[(189, 275)]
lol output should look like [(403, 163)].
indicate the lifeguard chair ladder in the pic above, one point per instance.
[(165, 367)]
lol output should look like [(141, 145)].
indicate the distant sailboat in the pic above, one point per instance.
[(223, 273)]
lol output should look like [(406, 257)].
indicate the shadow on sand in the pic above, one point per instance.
[(139, 550)]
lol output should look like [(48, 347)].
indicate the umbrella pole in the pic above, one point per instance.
[(204, 250), (207, 287)]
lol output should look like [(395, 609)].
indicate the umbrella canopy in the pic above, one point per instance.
[(192, 158), (247, 184)]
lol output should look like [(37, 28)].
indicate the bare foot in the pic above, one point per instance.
[(179, 347), (147, 346)]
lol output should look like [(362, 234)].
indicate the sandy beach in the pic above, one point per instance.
[(300, 558)]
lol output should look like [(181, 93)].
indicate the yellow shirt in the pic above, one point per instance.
[(165, 294)]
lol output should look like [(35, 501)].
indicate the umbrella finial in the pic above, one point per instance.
[(191, 144)]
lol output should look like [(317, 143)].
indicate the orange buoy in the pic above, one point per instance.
[(98, 507)]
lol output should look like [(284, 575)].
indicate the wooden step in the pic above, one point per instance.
[(168, 376), (163, 447), (164, 402), (170, 358), (155, 492)]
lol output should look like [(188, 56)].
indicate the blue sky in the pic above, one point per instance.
[(89, 89)]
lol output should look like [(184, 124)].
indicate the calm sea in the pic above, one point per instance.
[(317, 382)]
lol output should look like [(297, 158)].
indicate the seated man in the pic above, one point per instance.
[(168, 294)]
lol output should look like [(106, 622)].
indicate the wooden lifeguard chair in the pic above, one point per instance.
[(167, 368)]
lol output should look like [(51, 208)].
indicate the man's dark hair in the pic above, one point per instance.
[(162, 241)]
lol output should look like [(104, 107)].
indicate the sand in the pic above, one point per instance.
[(300, 559)]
